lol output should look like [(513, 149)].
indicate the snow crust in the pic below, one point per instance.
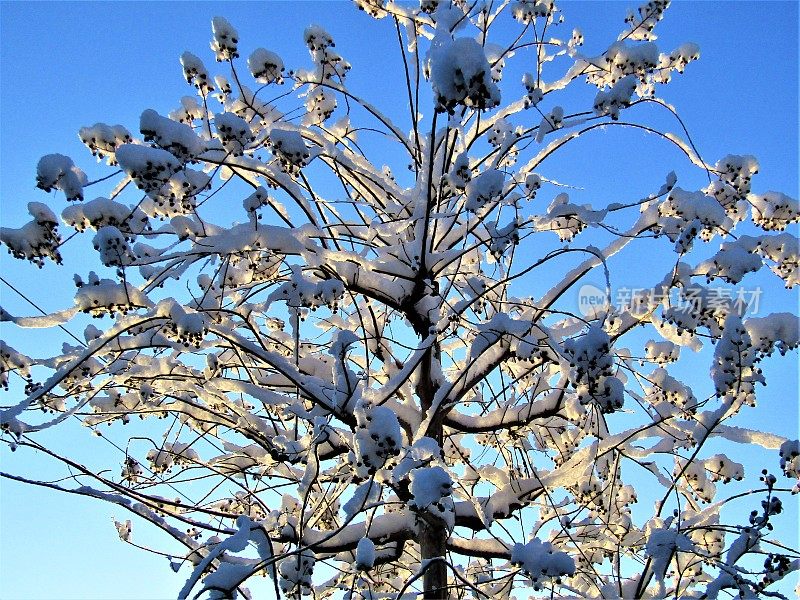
[(365, 553), (37, 240), (377, 438), (103, 140), (56, 171), (460, 75), (177, 138), (266, 66), (150, 168), (225, 41), (541, 562), (429, 485)]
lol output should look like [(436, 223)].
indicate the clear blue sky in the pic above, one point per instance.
[(66, 64)]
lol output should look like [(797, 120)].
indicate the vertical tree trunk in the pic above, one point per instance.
[(432, 530), (433, 543)]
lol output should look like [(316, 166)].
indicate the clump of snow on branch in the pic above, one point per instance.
[(541, 563), (37, 240), (266, 66), (295, 573), (226, 39), (103, 140), (56, 171), (460, 75), (377, 438)]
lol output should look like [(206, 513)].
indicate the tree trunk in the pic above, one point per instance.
[(432, 544), (432, 530)]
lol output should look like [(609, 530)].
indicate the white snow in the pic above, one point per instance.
[(641, 26), (733, 370), (113, 247), (662, 352), (483, 189), (364, 497), (550, 122), (308, 296), (731, 263), (290, 149), (527, 11), (616, 98), (773, 210), (149, 167), (460, 75), (123, 529), (265, 66), (105, 295), (103, 211), (429, 485), (178, 138), (226, 39), (377, 438), (591, 371), (365, 554), (36, 240), (623, 59), (195, 72), (662, 544), (317, 38), (234, 132), (790, 458), (567, 219), (295, 573), (103, 140), (162, 459), (541, 562), (12, 361), (56, 171), (777, 330), (723, 468)]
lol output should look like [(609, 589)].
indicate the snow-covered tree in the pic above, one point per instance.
[(376, 384)]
